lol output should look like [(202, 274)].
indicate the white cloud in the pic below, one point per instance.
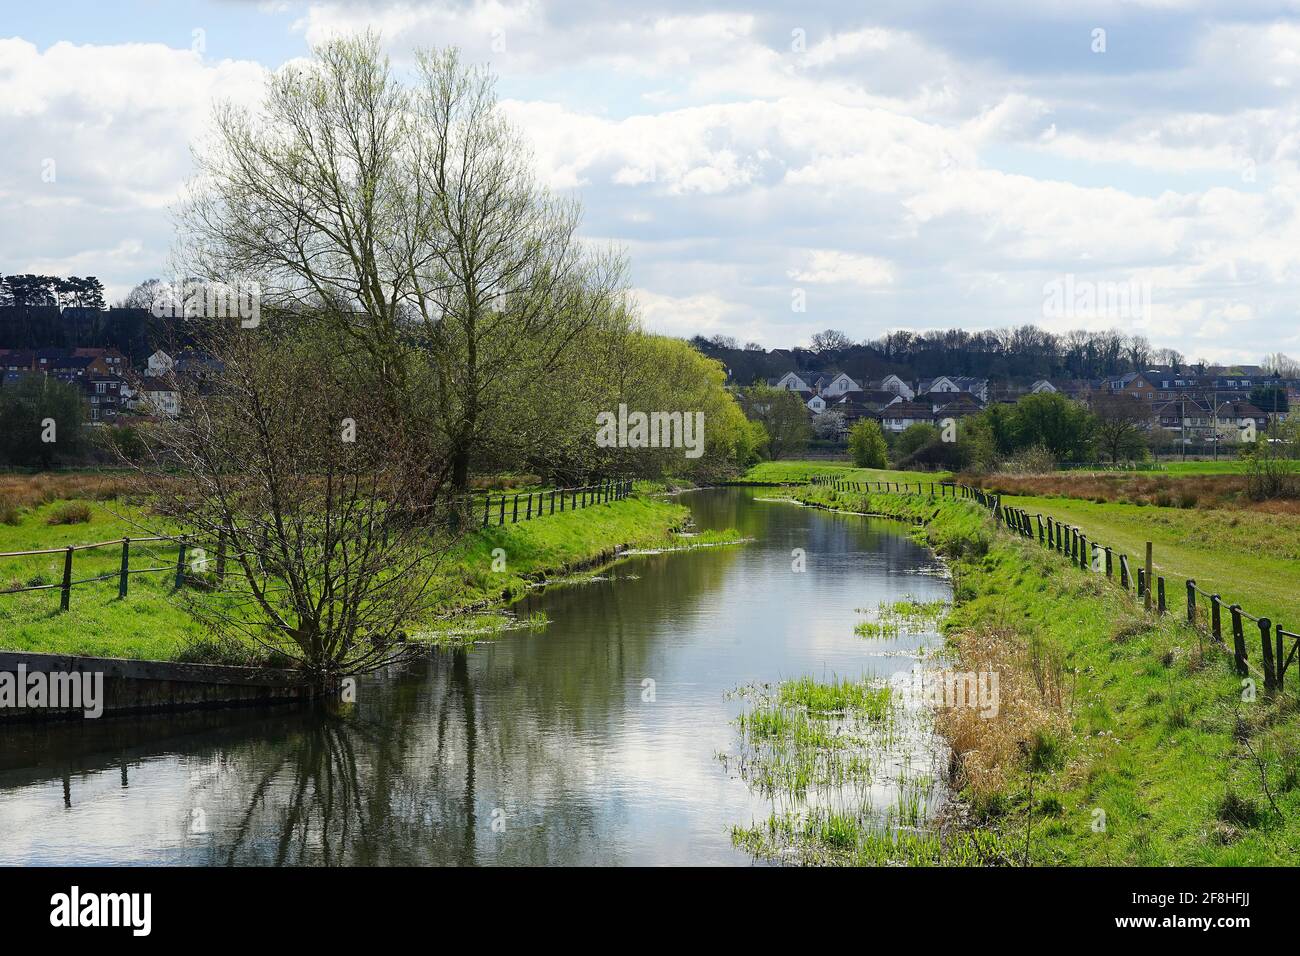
[(828, 266)]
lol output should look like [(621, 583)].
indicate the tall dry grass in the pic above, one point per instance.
[(1030, 724), (32, 491), (1168, 491)]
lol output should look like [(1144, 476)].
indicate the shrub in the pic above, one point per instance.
[(867, 445), (9, 513), (1036, 460), (73, 512)]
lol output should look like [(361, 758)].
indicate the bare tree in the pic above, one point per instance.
[(1118, 430), (830, 340), (284, 468)]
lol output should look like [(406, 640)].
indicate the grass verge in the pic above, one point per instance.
[(1121, 738), (489, 567)]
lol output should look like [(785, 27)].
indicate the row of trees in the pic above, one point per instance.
[(41, 290)]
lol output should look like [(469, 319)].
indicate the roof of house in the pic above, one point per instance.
[(963, 403), (899, 410)]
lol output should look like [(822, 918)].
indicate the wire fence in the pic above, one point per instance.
[(1073, 543), (495, 509)]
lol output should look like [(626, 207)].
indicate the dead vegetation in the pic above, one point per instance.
[(1031, 723), (1163, 491), (32, 491)]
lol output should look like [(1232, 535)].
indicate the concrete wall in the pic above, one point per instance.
[(133, 687)]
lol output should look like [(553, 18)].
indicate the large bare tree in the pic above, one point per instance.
[(412, 213), (297, 487)]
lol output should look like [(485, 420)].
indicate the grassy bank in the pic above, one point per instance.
[(1248, 557), (794, 472), (150, 624), (1120, 739)]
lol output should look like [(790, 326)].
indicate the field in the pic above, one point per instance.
[(800, 471), (150, 623), (1122, 738), (1249, 557)]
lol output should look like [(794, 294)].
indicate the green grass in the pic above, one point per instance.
[(800, 471), (151, 624), (1248, 557), (1164, 762)]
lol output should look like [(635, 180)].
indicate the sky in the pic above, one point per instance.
[(770, 169)]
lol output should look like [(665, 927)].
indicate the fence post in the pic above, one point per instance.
[(1123, 571), (1148, 577), (1191, 601), (1142, 587), (1108, 564), (487, 507), (67, 581), (122, 575), (1238, 640), (1270, 671), (553, 501), (528, 516), (1216, 627), (180, 562), (1160, 596)]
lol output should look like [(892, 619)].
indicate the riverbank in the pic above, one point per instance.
[(1121, 739), (488, 567)]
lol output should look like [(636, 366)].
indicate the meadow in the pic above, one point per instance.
[(151, 623)]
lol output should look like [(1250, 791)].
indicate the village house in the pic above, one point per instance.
[(892, 383), (902, 415), (979, 387), (961, 405)]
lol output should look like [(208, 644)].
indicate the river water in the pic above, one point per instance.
[(593, 741)]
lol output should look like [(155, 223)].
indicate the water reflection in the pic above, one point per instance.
[(592, 741)]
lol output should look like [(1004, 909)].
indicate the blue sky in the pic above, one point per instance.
[(903, 164)]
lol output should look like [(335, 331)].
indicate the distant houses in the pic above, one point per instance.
[(893, 402), (1191, 405), (112, 389)]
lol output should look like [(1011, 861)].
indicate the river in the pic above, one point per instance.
[(595, 740)]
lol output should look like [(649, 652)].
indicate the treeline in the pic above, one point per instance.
[(1015, 355), (42, 290), (135, 332)]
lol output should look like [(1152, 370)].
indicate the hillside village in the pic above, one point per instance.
[(111, 356), (1190, 406), (110, 385)]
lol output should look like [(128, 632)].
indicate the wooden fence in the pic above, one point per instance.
[(535, 504), (1073, 544), (552, 500)]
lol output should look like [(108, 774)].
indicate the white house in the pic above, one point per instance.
[(160, 401), (950, 384), (901, 415), (841, 385), (816, 404), (793, 383), (1042, 387), (892, 383), (159, 364)]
